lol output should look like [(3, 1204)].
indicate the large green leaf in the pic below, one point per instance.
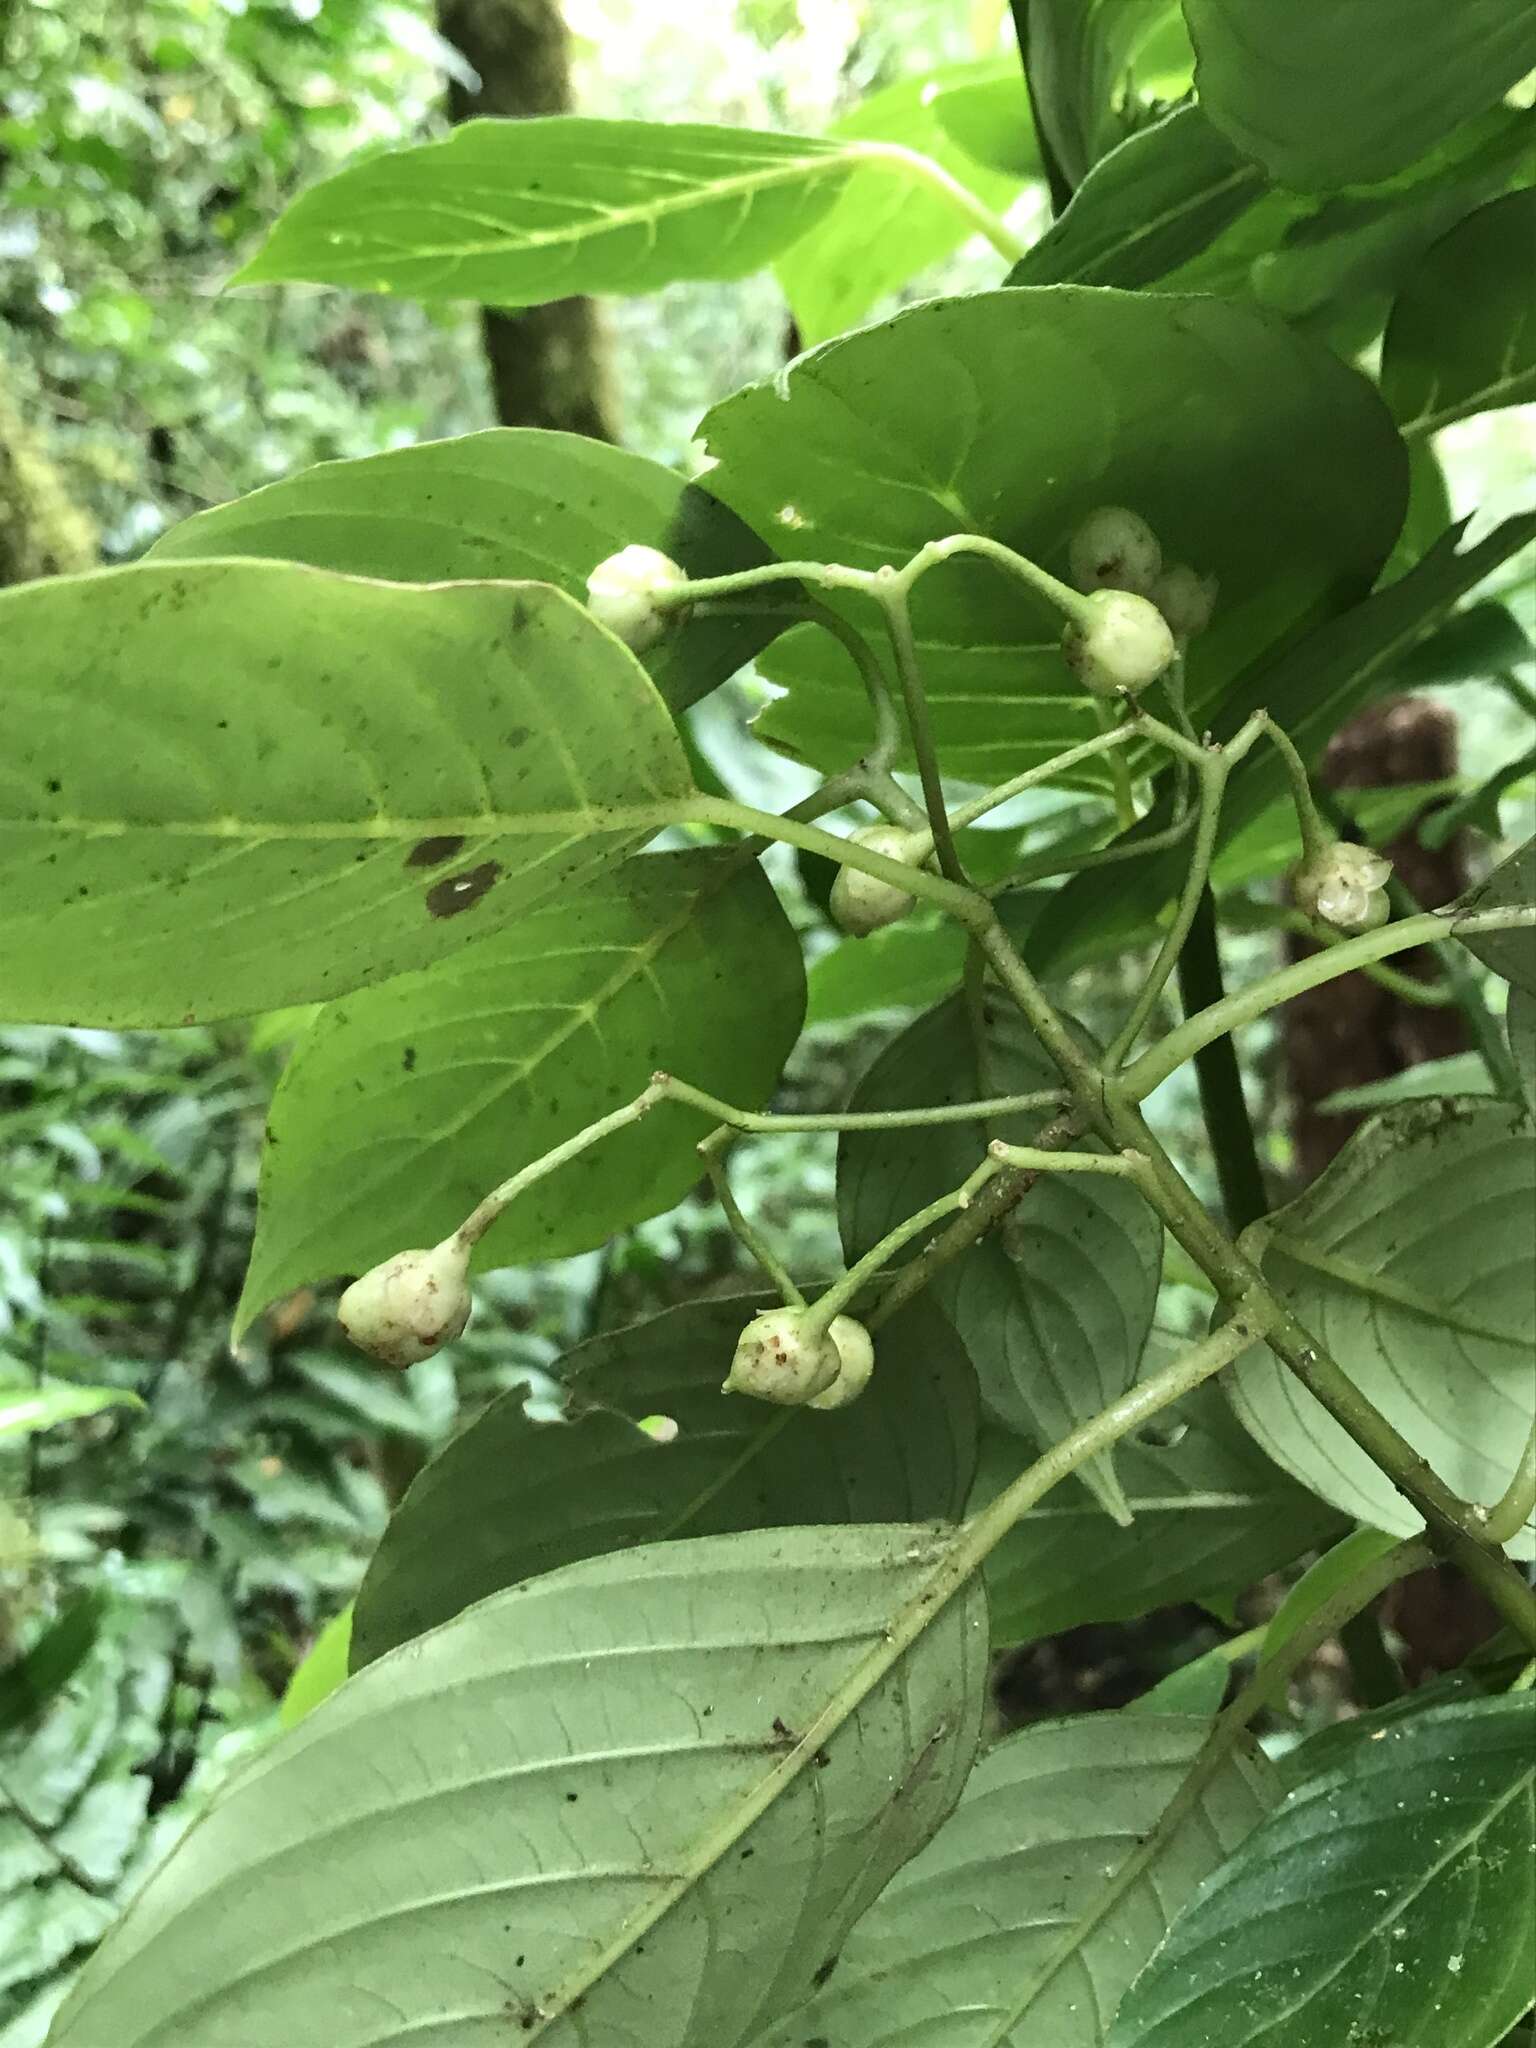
[(1462, 337), (26, 1409), (1410, 1259), (1007, 1931), (1347, 95), (229, 786), (1511, 886), (511, 1497), (883, 230), (1014, 413), (403, 1104), (512, 213), (510, 502), (1155, 201), (906, 966), (1080, 55), (1388, 1901), (535, 1822), (1399, 636), (1055, 1306), (987, 115), (1212, 1516)]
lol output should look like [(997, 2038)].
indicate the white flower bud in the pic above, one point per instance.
[(1115, 549), (1125, 646), (410, 1306), (622, 593), (1186, 600), (1344, 887), (860, 903), (855, 1363), (777, 1361)]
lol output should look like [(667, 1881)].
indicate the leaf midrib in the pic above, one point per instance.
[(480, 824)]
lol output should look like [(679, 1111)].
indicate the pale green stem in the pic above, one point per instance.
[(1508, 1516), (1234, 1011), (1048, 771), (1035, 1159), (923, 168), (485, 1213), (1120, 775), (887, 742), (766, 1122), (1073, 603), (1428, 994), (920, 727), (845, 1289), (714, 1165), (1047, 865)]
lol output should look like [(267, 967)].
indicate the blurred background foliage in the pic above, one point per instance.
[(165, 1566)]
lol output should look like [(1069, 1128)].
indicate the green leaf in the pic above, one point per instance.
[(1462, 337), (1510, 954), (235, 785), (1390, 642), (1409, 1258), (1390, 1901), (1010, 1930), (537, 1818), (511, 1497), (1198, 1687), (1330, 96), (906, 966), (29, 1682), (321, 1672), (987, 116), (513, 213), (1520, 1026), (884, 229), (1212, 1517), (1055, 1306), (1461, 1073), (25, 1410), (404, 1104), (1015, 413), (1080, 53), (1155, 201), (510, 502), (1317, 1585)]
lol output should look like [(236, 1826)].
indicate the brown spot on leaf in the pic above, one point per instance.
[(459, 892), (431, 853)]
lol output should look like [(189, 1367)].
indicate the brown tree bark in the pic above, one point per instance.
[(548, 364)]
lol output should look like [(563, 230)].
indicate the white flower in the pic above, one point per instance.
[(622, 592), (776, 1360), (411, 1305), (1115, 549), (860, 903), (1344, 887), (855, 1363), (1124, 646)]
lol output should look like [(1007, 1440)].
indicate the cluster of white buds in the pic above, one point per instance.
[(860, 903), (1345, 886), (622, 592), (1143, 613), (411, 1305), (783, 1357)]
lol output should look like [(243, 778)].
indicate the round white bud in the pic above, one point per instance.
[(1115, 549), (855, 1363), (860, 903), (1344, 887), (410, 1306), (1186, 600), (777, 1360), (1124, 646), (622, 593)]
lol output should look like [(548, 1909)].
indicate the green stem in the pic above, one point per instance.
[(766, 1122), (485, 1213), (742, 1229), (1232, 1012), (845, 1289), (923, 168), (1048, 771), (1509, 1515), (1213, 773), (887, 741), (1120, 775), (1223, 1101), (920, 727)]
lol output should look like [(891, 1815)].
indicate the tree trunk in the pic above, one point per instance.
[(42, 532), (548, 365)]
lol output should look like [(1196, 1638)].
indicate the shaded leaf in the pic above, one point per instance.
[(1409, 1258), (1014, 414), (1331, 96), (1462, 337), (1055, 1306), (1007, 1931), (321, 1672), (1511, 886), (403, 1104), (509, 502), (1155, 201), (988, 117), (1388, 1901), (906, 966), (24, 1410), (235, 785), (535, 1817), (511, 1497), (1079, 58)]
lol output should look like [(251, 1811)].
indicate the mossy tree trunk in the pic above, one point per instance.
[(42, 532), (548, 364)]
